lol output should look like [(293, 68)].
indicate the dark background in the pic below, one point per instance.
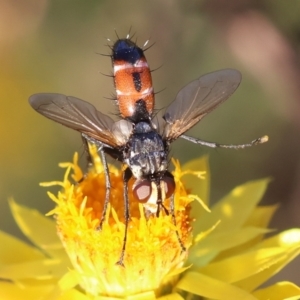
[(53, 46)]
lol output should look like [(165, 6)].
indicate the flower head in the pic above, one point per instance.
[(153, 244)]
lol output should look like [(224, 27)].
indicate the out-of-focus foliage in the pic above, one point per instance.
[(53, 46)]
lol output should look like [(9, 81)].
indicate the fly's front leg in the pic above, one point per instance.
[(106, 174), (172, 211), (159, 200), (107, 185), (126, 177)]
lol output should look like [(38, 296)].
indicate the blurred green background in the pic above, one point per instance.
[(53, 46)]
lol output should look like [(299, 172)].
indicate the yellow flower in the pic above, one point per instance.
[(152, 251), (227, 255)]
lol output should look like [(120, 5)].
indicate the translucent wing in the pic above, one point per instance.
[(76, 114), (197, 99)]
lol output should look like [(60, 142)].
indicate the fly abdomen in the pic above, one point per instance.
[(133, 81)]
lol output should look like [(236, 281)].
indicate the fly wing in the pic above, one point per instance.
[(197, 99), (76, 114)]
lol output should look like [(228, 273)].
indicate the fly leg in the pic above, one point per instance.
[(107, 185), (160, 206), (255, 142), (106, 174), (88, 156), (172, 211), (159, 203), (127, 174)]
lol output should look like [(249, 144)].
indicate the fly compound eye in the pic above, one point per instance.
[(169, 186), (142, 190)]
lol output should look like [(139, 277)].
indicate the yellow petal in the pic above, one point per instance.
[(234, 209), (9, 244), (279, 291), (244, 266), (286, 257), (64, 288), (261, 216), (289, 241), (288, 238), (43, 269), (71, 295), (200, 187), (214, 243), (39, 229), (173, 296), (11, 291), (178, 271), (202, 285), (144, 296), (200, 236)]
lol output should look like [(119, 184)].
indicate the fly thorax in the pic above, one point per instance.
[(147, 154)]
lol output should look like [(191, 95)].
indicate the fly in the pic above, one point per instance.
[(136, 140)]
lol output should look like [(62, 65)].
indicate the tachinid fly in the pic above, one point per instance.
[(136, 140)]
